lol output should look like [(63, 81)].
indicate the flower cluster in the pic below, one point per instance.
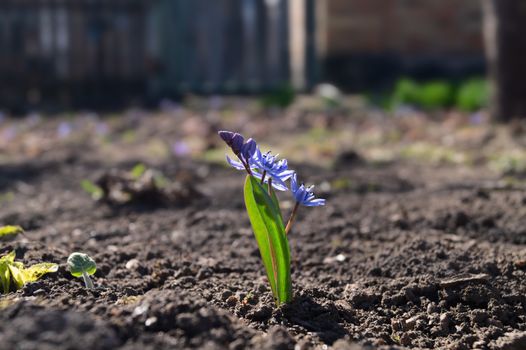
[(267, 168)]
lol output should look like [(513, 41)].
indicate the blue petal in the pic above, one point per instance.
[(286, 174), (235, 164), (248, 149), (315, 203), (276, 182), (294, 183), (279, 185), (256, 175)]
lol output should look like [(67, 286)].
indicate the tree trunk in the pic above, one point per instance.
[(505, 39)]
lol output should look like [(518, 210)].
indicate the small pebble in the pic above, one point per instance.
[(133, 264), (150, 321)]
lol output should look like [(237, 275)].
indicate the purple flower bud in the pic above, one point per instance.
[(237, 143), (226, 135), (248, 149), (234, 140)]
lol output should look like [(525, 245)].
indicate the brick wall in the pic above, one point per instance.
[(370, 43), (404, 26)]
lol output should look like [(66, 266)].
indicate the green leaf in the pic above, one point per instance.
[(275, 200), (269, 231), (8, 258), (5, 277), (138, 170), (79, 263), (10, 231), (17, 275), (35, 272), (94, 190), (14, 271)]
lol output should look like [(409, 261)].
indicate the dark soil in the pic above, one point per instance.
[(402, 256)]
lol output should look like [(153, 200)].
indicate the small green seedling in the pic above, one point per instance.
[(9, 232), (13, 273), (141, 172), (81, 264), (92, 189), (138, 170)]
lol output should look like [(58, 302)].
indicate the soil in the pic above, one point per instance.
[(403, 255)]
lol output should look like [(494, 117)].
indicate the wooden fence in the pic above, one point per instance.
[(71, 51), (99, 52)]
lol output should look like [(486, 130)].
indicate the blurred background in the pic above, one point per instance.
[(350, 74), (59, 54)]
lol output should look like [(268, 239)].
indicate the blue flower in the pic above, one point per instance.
[(303, 195), (254, 162), (269, 165)]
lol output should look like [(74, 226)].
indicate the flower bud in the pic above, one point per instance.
[(248, 149), (234, 140)]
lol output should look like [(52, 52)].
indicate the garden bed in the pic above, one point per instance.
[(404, 255)]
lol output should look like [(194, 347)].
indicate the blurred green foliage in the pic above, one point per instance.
[(469, 95), (472, 95), (436, 94), (405, 93)]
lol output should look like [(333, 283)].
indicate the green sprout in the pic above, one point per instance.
[(13, 273), (95, 191), (138, 170), (9, 232), (81, 264)]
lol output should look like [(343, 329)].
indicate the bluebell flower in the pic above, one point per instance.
[(255, 163), (303, 195), (269, 165)]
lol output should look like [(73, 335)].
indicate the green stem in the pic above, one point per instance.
[(292, 217), (87, 281)]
